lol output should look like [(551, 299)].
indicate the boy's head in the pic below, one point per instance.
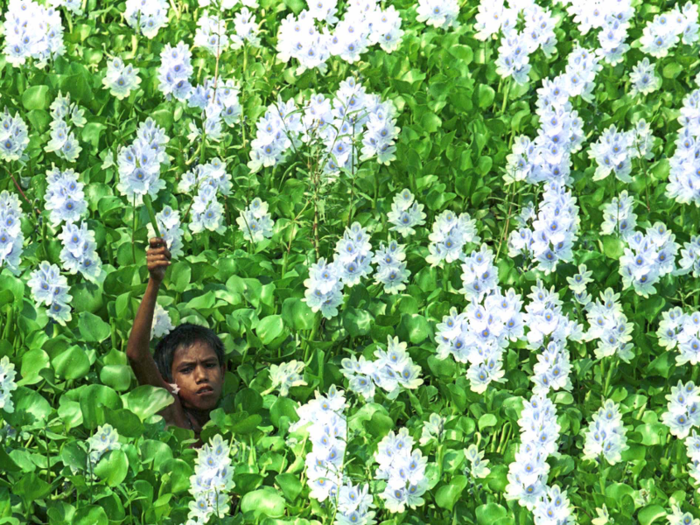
[(192, 357)]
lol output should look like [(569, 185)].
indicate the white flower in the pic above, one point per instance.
[(162, 324), (287, 375)]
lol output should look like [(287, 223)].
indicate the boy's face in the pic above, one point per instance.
[(198, 375)]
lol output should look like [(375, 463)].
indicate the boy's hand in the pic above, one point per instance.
[(158, 259)]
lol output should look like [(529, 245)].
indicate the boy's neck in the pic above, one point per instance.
[(201, 416)]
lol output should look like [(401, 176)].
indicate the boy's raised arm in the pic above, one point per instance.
[(137, 349)]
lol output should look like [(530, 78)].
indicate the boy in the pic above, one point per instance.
[(188, 362)]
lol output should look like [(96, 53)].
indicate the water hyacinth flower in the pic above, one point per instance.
[(552, 369), (449, 236), (340, 122), (121, 79), (104, 439), (323, 419), (50, 288), (553, 233), (211, 482), (32, 30), (139, 163), (606, 434), (548, 156), (527, 475), (619, 216), (391, 267), (609, 326), (162, 324), (324, 289), (546, 320), (7, 384), (175, 71), (353, 503), (74, 6), (647, 258), (581, 280), (669, 28), (614, 151), (690, 257), (678, 517), (683, 410), (11, 236), (353, 255), (287, 375), (14, 137), (479, 274), (438, 13), (477, 464), (684, 176), (403, 469), (211, 34), (316, 34), (146, 16), (64, 196), (255, 222), (643, 78), (433, 429), (246, 29), (392, 370), (480, 336), (406, 213), (79, 253), (209, 179), (682, 331), (170, 228), (692, 444)]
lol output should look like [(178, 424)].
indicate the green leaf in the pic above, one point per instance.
[(357, 322), (263, 502), (146, 400), (92, 328), (447, 495), (117, 377), (125, 422), (462, 53), (30, 408), (489, 513), (613, 247), (33, 362), (487, 420), (290, 485), (283, 407), (74, 456), (297, 315), (36, 97), (180, 276), (430, 122), (672, 70), (72, 363), (486, 95), (651, 514), (270, 328), (414, 328), (92, 399), (113, 467), (90, 515)]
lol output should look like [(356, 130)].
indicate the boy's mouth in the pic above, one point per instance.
[(205, 390)]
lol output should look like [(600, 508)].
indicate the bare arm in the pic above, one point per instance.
[(137, 349)]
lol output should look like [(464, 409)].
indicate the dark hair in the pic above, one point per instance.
[(184, 336)]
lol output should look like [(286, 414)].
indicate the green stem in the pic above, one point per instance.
[(133, 234)]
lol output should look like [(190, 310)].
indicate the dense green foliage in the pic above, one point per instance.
[(458, 121)]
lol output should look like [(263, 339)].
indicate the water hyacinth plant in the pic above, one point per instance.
[(322, 262)]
